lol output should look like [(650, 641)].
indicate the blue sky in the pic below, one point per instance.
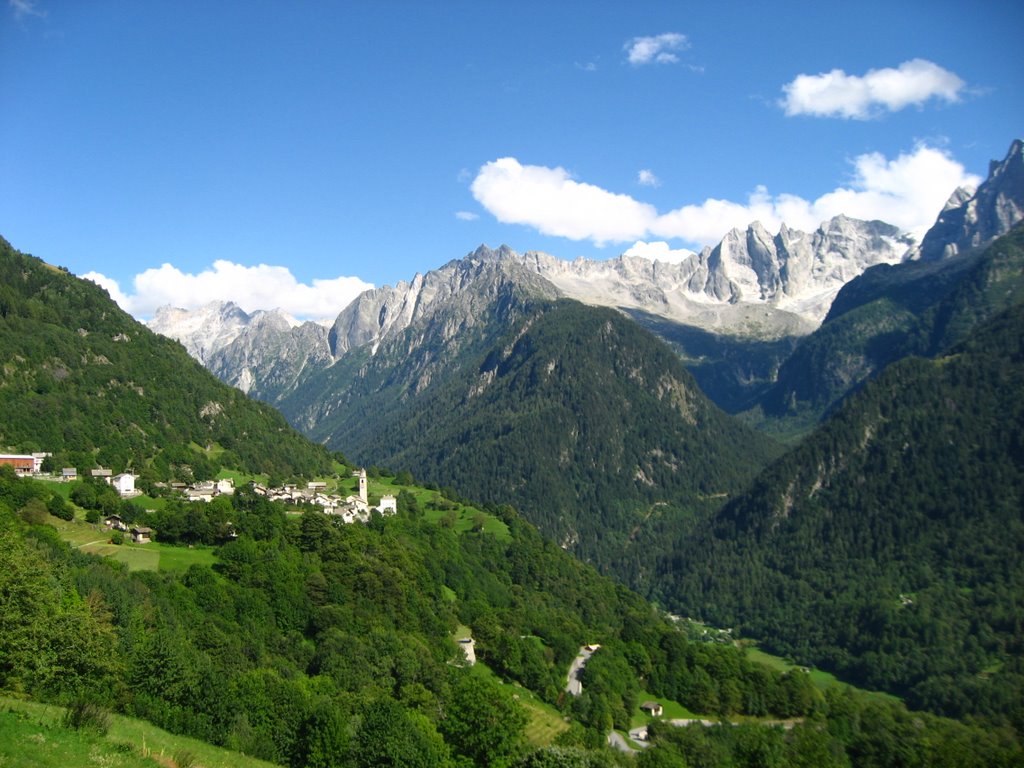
[(291, 153)]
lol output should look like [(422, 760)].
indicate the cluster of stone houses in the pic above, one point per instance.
[(351, 509), (207, 490)]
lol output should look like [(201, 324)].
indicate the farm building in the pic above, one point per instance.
[(23, 465)]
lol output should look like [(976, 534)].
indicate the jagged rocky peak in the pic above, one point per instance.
[(486, 253), (270, 353), (972, 219), (796, 270), (462, 287), (204, 330)]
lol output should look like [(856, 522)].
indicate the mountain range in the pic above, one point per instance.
[(752, 285), (581, 428), (305, 641), (735, 312)]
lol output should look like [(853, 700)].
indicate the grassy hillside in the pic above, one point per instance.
[(34, 735), (303, 632)]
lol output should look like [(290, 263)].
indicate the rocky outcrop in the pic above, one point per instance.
[(462, 289), (261, 353), (971, 219), (270, 355), (201, 331)]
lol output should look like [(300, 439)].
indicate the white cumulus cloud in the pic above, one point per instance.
[(466, 216), (908, 191), (837, 94), (549, 200), (258, 287), (658, 49)]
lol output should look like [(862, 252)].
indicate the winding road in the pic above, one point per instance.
[(573, 684)]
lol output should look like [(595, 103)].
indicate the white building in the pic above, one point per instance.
[(124, 484)]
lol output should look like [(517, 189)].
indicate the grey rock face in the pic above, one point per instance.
[(971, 219), (201, 331), (261, 354), (752, 284), (462, 288), (788, 280), (270, 355)]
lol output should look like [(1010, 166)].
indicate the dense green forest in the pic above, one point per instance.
[(733, 371), (85, 381), (887, 546), (314, 643)]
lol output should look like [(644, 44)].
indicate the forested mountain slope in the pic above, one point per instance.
[(917, 308), (733, 371), (85, 381), (310, 643), (585, 421), (887, 545)]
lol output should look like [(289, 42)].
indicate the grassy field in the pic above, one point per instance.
[(145, 502), (95, 539), (240, 478), (820, 678), (672, 710), (32, 736), (436, 508), (545, 723)]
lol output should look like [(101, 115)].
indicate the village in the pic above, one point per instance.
[(354, 508)]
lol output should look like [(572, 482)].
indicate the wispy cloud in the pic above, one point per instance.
[(258, 287), (25, 8), (908, 191), (466, 216), (659, 49), (646, 178), (836, 94)]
